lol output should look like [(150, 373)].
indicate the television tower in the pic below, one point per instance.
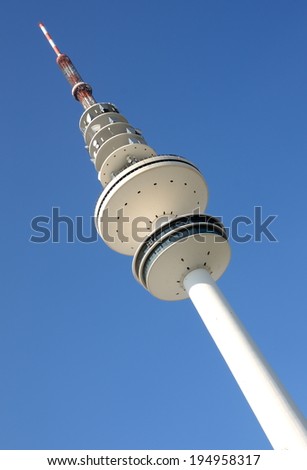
[(182, 252)]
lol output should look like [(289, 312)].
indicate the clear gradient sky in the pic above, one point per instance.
[(88, 358)]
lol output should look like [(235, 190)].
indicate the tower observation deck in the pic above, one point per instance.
[(158, 204)]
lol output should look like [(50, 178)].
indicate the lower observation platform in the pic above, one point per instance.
[(177, 248)]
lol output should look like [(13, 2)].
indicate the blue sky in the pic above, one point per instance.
[(88, 358)]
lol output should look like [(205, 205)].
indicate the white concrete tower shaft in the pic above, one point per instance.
[(278, 416)]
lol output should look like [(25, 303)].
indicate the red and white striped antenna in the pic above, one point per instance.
[(49, 39), (80, 90)]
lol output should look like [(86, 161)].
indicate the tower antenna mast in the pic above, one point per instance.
[(80, 90), (184, 251)]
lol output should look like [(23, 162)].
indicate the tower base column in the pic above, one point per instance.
[(281, 421)]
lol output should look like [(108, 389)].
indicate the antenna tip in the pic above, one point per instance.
[(42, 27), (49, 39)]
